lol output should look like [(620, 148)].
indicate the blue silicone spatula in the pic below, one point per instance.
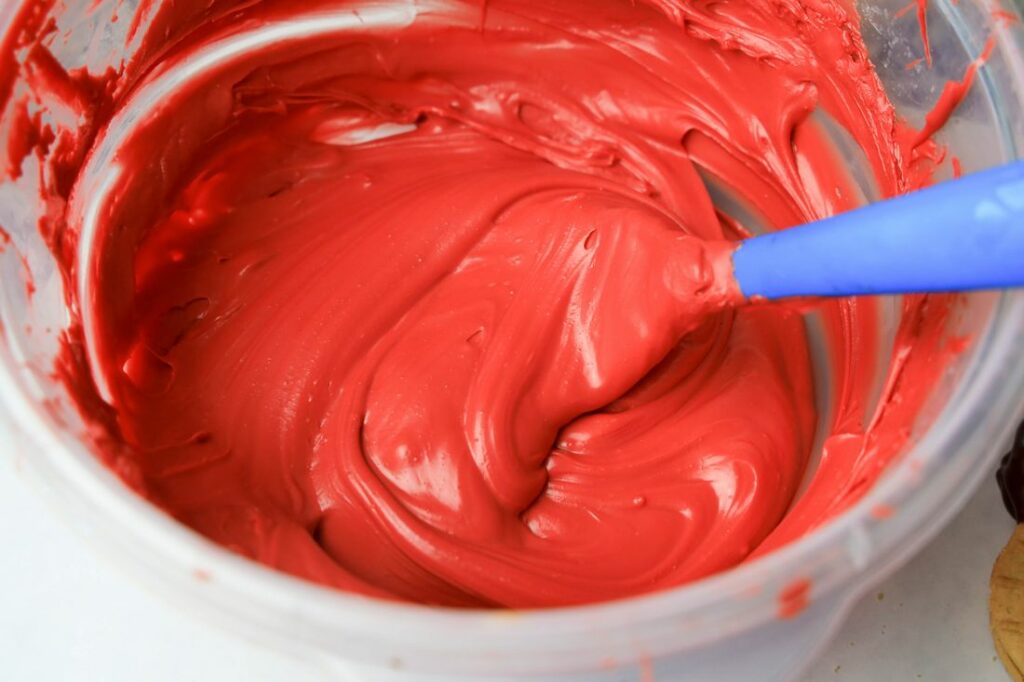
[(961, 235)]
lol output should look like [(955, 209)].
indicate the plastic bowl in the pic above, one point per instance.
[(727, 627)]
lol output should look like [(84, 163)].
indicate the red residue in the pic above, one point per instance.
[(25, 135), (5, 241), (202, 575), (922, 19), (55, 408), (75, 98), (913, 64), (28, 26), (904, 11), (952, 95), (141, 12), (48, 79), (959, 344), (958, 170), (880, 512), (1005, 18), (30, 283), (646, 669), (794, 599)]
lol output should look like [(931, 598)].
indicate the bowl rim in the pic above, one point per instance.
[(281, 605)]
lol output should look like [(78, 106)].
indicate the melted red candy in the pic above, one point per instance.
[(442, 312)]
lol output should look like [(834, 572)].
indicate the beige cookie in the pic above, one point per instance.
[(1006, 605)]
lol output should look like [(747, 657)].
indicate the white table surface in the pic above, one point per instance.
[(66, 614)]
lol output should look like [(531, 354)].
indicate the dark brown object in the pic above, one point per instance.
[(1011, 477)]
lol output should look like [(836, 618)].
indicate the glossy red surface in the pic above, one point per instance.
[(442, 312)]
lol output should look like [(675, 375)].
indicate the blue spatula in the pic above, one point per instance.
[(962, 235)]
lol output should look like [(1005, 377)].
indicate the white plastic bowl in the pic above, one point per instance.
[(723, 628)]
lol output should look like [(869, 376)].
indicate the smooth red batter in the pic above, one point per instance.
[(440, 312)]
